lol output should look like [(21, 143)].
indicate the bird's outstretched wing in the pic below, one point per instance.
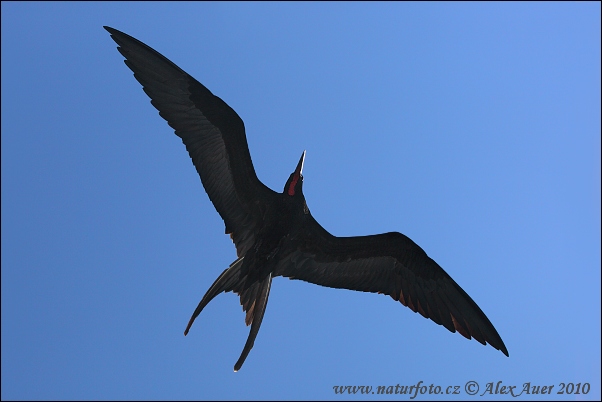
[(213, 133), (392, 264)]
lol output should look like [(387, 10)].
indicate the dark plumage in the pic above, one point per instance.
[(274, 233)]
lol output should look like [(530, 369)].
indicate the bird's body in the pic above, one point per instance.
[(275, 233)]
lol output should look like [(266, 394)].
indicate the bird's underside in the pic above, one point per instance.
[(274, 233)]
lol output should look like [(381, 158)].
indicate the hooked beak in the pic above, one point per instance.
[(295, 176), (299, 169)]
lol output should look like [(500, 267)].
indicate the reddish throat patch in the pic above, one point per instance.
[(291, 187)]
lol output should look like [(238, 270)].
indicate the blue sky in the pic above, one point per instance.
[(474, 129)]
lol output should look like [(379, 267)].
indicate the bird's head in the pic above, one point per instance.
[(294, 184)]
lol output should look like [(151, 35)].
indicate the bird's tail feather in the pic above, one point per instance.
[(226, 282), (255, 311), (253, 299)]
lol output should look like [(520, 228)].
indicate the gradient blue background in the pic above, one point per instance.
[(474, 129)]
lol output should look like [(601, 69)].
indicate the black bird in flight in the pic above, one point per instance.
[(274, 233)]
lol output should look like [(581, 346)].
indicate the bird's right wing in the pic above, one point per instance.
[(392, 264), (213, 133)]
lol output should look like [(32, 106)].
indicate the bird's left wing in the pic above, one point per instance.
[(388, 263), (213, 133)]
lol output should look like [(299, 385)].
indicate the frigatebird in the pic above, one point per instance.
[(275, 233)]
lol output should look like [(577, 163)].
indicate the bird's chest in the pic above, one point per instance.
[(277, 225)]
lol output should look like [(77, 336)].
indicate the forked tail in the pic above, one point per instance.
[(253, 298)]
